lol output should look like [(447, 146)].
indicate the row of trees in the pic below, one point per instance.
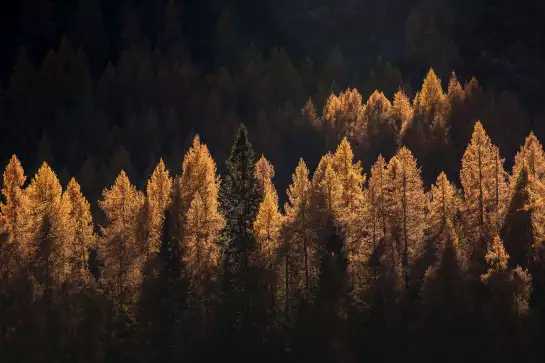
[(198, 261)]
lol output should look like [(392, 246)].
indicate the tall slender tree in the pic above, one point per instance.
[(485, 185), (15, 208), (406, 207), (119, 245), (81, 234), (48, 217), (159, 197)]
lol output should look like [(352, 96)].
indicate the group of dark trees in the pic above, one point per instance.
[(407, 253)]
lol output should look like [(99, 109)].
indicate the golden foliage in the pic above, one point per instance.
[(264, 172), (484, 182), (455, 91), (402, 110), (496, 256), (267, 227), (300, 235), (430, 102), (159, 197), (376, 110), (15, 208), (406, 203), (443, 203), (201, 219), (80, 234), (48, 225), (119, 245)]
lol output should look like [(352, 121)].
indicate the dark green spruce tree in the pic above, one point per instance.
[(243, 313)]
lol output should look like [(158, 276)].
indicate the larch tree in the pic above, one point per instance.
[(431, 103), (15, 209), (81, 236), (443, 204), (267, 234), (201, 220), (302, 252), (484, 182), (350, 205), (264, 172), (406, 204), (159, 197), (119, 246), (48, 226), (402, 111)]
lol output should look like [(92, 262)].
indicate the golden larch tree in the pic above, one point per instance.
[(455, 91), (430, 103), (484, 182), (376, 111), (81, 236), (302, 249), (264, 172), (201, 220), (159, 197), (443, 204), (532, 156), (15, 209), (119, 245), (48, 227), (402, 111), (406, 206)]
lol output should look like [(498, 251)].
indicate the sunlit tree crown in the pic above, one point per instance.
[(81, 236), (159, 197), (16, 203)]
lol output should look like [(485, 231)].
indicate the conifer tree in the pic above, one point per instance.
[(264, 172), (455, 93), (48, 226), (446, 307), (402, 111), (119, 246), (240, 196), (508, 303), (443, 204), (523, 227), (267, 229), (81, 236), (201, 220), (159, 196), (484, 182), (430, 104), (302, 246), (530, 155), (15, 208), (406, 203)]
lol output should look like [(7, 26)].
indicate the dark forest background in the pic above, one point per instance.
[(95, 86)]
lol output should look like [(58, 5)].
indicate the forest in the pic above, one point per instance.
[(272, 181)]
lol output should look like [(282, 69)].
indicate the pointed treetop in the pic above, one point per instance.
[(455, 91), (298, 190), (242, 148), (496, 257), (264, 172), (14, 175), (531, 155), (431, 91)]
